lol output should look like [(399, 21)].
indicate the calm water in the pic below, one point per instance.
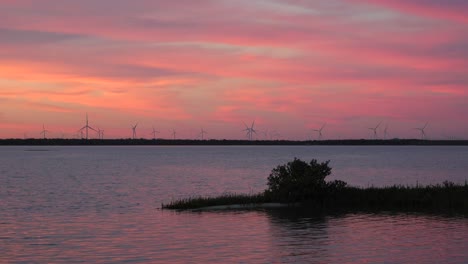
[(101, 205)]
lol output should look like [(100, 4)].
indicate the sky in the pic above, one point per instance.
[(290, 65)]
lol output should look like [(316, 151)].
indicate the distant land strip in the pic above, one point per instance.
[(229, 142)]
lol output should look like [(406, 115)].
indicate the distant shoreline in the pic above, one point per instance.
[(228, 142)]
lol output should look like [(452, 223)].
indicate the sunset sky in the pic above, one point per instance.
[(290, 65)]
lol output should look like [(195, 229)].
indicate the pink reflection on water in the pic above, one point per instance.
[(147, 235)]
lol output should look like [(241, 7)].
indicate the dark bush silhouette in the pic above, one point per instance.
[(299, 181)]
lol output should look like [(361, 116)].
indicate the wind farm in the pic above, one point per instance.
[(269, 137)]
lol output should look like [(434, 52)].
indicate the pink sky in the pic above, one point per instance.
[(290, 65)]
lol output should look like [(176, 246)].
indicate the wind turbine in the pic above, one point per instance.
[(375, 130), (173, 134), (154, 132), (386, 131), (100, 133), (320, 131), (250, 130), (423, 133), (44, 131), (134, 130), (202, 134), (87, 127)]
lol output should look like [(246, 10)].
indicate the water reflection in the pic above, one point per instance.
[(300, 235)]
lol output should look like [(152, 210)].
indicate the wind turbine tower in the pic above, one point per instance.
[(375, 130), (423, 133), (134, 130), (44, 132), (320, 131), (86, 127), (174, 133)]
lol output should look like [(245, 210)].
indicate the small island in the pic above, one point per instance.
[(299, 183)]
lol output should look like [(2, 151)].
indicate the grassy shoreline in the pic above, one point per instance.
[(440, 197)]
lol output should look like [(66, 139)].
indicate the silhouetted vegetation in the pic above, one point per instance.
[(299, 181), (227, 199), (228, 142), (304, 183)]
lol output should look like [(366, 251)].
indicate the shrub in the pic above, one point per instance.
[(336, 185), (298, 181)]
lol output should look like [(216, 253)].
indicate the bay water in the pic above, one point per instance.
[(96, 204)]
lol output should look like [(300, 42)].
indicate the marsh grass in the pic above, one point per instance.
[(441, 197), (225, 199)]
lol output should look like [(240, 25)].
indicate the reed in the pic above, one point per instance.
[(440, 197), (446, 196), (225, 199)]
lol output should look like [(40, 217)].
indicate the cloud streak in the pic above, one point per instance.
[(287, 63)]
